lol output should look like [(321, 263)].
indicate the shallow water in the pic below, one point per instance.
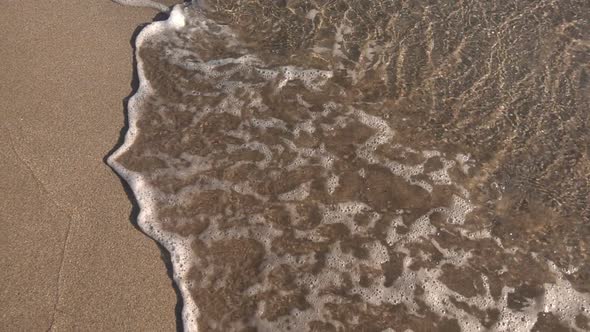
[(337, 165)]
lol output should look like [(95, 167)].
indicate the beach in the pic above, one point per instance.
[(71, 258), (303, 165)]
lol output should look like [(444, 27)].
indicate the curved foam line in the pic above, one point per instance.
[(179, 248), (144, 3)]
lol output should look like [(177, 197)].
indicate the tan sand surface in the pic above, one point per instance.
[(70, 259)]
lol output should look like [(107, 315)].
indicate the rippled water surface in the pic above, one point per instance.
[(350, 165)]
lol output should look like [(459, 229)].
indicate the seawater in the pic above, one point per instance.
[(339, 165)]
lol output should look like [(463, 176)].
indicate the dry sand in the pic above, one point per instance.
[(70, 259)]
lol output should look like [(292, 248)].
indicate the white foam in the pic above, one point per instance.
[(339, 261), (144, 3), (147, 197)]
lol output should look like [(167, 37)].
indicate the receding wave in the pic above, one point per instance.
[(334, 165)]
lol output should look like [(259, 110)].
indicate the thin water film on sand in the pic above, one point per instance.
[(339, 165)]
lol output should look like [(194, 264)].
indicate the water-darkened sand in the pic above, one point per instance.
[(70, 259), (367, 165)]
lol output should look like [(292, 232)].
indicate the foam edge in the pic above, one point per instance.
[(179, 248)]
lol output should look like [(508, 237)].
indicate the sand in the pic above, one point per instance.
[(70, 258)]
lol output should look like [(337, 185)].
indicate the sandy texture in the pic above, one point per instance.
[(70, 259)]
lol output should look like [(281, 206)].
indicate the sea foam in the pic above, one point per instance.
[(272, 163), (178, 247)]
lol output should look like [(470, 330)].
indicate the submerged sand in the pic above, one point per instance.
[(367, 165), (70, 258)]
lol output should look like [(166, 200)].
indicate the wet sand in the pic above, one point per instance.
[(70, 258), (367, 165)]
